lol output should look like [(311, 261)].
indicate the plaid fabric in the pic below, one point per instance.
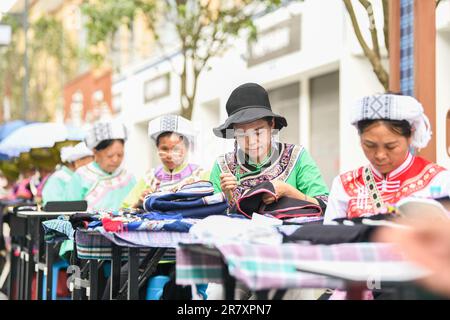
[(93, 245), (274, 267), (98, 245), (144, 239), (407, 47)]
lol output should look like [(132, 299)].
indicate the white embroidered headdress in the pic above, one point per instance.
[(395, 107)]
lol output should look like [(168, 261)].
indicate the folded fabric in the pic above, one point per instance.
[(195, 200), (329, 234), (148, 225), (282, 208), (193, 190), (219, 229), (167, 202), (197, 212), (60, 225), (159, 216), (178, 226)]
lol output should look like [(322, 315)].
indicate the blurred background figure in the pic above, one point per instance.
[(72, 158), (428, 244)]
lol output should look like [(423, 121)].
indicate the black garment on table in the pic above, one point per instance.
[(330, 234), (360, 219), (78, 220), (283, 208)]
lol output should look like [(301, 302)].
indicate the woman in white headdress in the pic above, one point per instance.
[(390, 128), (174, 137), (72, 158), (103, 183)]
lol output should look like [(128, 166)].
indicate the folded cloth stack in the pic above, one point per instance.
[(195, 200)]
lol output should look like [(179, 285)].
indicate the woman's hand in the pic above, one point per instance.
[(145, 193), (228, 183), (283, 189), (280, 189)]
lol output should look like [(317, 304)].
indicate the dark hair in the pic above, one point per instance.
[(400, 127), (107, 143), (169, 133), (269, 120)]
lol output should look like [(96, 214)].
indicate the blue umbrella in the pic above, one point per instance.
[(37, 135), (6, 129), (9, 127)]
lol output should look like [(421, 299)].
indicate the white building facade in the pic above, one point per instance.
[(308, 59)]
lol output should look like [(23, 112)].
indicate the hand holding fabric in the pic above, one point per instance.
[(228, 183), (280, 188)]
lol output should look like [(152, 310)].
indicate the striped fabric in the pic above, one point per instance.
[(144, 239), (93, 245), (98, 244), (274, 267), (407, 47)]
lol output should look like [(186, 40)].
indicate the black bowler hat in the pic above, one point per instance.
[(248, 102)]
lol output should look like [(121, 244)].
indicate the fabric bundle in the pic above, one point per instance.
[(284, 208), (195, 200)]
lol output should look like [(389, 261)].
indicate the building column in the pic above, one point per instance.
[(412, 42)]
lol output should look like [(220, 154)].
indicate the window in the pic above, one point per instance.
[(285, 102), (324, 146)]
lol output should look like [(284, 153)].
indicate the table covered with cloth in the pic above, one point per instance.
[(262, 267)]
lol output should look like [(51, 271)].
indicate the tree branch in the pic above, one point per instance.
[(375, 60), (373, 28), (386, 24)]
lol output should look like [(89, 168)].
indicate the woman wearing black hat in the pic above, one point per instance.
[(258, 157)]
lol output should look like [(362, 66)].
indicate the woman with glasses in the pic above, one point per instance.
[(173, 136), (258, 157)]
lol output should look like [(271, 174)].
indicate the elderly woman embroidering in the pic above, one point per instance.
[(389, 126)]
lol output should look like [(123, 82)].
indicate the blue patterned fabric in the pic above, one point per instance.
[(196, 200), (58, 229)]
